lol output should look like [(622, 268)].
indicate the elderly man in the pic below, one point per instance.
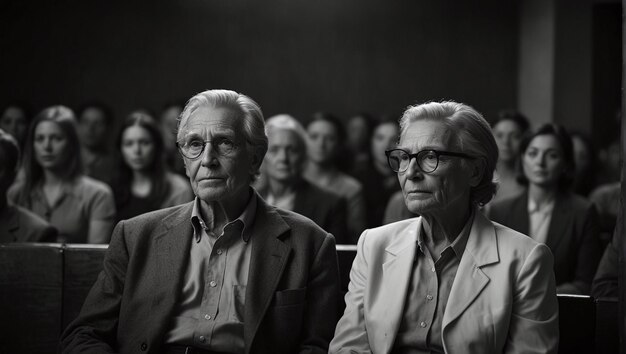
[(286, 188), (226, 273), (449, 281)]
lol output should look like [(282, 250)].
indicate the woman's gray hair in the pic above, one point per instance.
[(472, 135), (289, 123), (253, 123)]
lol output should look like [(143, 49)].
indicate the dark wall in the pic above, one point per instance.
[(292, 56)]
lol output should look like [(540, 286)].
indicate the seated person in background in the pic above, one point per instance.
[(508, 129), (324, 145), (80, 208), (17, 224), (94, 121), (451, 280), (224, 273), (605, 283), (606, 200), (585, 159), (550, 213), (396, 209), (379, 182), (143, 183), (14, 121), (358, 136), (285, 187), (168, 122)]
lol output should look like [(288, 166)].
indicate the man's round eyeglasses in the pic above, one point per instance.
[(193, 148), (427, 160)]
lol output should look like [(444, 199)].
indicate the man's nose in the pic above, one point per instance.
[(209, 155)]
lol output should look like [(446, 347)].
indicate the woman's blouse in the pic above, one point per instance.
[(82, 200)]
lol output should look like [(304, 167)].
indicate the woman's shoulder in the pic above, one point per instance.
[(348, 184), (177, 181), (86, 185)]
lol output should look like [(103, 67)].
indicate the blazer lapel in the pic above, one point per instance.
[(558, 224), (395, 281), (520, 220), (470, 280), (172, 241), (267, 263)]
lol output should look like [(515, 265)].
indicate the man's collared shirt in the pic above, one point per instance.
[(210, 310), (427, 296), (540, 217)]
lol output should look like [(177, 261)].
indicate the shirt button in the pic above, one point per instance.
[(422, 324), (207, 317), (220, 251), (213, 283), (429, 297), (202, 339), (432, 269)]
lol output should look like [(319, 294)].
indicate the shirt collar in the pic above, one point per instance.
[(246, 219), (546, 207)]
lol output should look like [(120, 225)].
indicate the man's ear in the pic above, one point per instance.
[(477, 171), (257, 159)]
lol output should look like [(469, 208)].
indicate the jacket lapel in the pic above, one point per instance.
[(172, 241), (470, 280), (268, 257), (559, 222), (395, 281)]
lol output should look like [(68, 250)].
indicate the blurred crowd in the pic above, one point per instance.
[(66, 176)]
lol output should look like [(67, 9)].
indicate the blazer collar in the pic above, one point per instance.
[(396, 277), (561, 215), (481, 250)]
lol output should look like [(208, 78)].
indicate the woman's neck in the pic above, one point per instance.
[(442, 231), (541, 194), (280, 188), (52, 178), (321, 173), (141, 185)]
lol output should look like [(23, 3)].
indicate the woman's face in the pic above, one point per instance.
[(50, 145), (138, 148), (322, 141), (543, 161), (384, 138), (508, 137)]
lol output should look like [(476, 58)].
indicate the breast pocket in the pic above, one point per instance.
[(289, 297)]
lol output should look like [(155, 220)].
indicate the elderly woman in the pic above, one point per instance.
[(450, 280), (549, 212), (285, 187), (55, 188)]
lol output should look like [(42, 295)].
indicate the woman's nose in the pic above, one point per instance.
[(414, 171)]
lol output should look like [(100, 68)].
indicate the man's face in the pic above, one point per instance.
[(444, 191), (93, 128), (215, 176), (285, 155)]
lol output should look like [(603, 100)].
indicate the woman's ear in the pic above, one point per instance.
[(477, 171)]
